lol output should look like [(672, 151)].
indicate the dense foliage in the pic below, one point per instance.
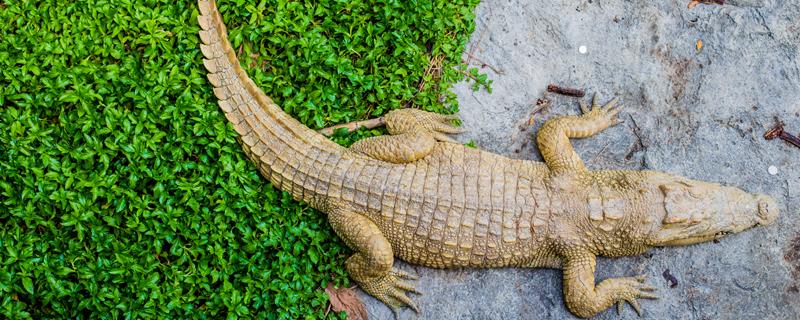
[(123, 190)]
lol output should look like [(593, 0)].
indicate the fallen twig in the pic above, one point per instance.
[(694, 3), (474, 46), (566, 91), (469, 75), (603, 150), (777, 132), (484, 64), (434, 70), (353, 126), (541, 103)]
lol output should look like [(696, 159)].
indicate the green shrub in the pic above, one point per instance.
[(123, 190)]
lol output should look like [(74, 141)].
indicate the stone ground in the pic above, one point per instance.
[(697, 113)]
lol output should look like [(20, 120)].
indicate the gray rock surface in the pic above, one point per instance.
[(697, 113)]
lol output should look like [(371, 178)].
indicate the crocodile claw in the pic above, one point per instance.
[(635, 288), (404, 275), (392, 289), (439, 125)]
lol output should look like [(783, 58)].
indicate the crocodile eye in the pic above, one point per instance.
[(680, 204)]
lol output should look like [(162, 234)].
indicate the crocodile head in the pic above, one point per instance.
[(689, 211)]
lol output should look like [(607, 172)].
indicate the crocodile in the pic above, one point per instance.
[(418, 195)]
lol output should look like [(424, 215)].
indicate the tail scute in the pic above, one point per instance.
[(232, 84)]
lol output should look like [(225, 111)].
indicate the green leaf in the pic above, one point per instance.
[(27, 283)]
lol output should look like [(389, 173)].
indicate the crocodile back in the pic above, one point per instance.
[(456, 207)]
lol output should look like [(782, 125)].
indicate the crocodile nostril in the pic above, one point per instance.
[(767, 209)]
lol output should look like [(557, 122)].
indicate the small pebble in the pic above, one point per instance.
[(773, 170), (582, 49)]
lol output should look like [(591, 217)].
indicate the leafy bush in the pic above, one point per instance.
[(123, 190)]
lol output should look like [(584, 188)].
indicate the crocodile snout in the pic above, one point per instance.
[(767, 209)]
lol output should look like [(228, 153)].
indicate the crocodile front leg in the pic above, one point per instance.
[(585, 299), (413, 136), (371, 264), (553, 137)]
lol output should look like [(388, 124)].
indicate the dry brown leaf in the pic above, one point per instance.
[(345, 299), (693, 4)]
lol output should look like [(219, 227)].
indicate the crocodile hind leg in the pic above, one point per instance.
[(553, 137), (371, 264), (413, 136), (586, 299)]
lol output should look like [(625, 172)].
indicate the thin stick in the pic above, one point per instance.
[(469, 75), (475, 46), (433, 66), (572, 92), (497, 71), (541, 103), (353, 126), (599, 153)]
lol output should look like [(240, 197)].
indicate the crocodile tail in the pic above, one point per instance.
[(275, 141)]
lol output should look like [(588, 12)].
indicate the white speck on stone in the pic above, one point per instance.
[(773, 170), (583, 49)]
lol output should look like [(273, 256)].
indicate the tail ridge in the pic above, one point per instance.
[(279, 144)]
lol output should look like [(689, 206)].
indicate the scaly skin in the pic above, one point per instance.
[(418, 196)]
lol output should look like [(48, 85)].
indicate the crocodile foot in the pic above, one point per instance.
[(607, 115), (414, 134), (553, 140), (391, 289), (414, 120)]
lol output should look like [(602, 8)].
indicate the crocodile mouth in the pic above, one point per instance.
[(688, 240)]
